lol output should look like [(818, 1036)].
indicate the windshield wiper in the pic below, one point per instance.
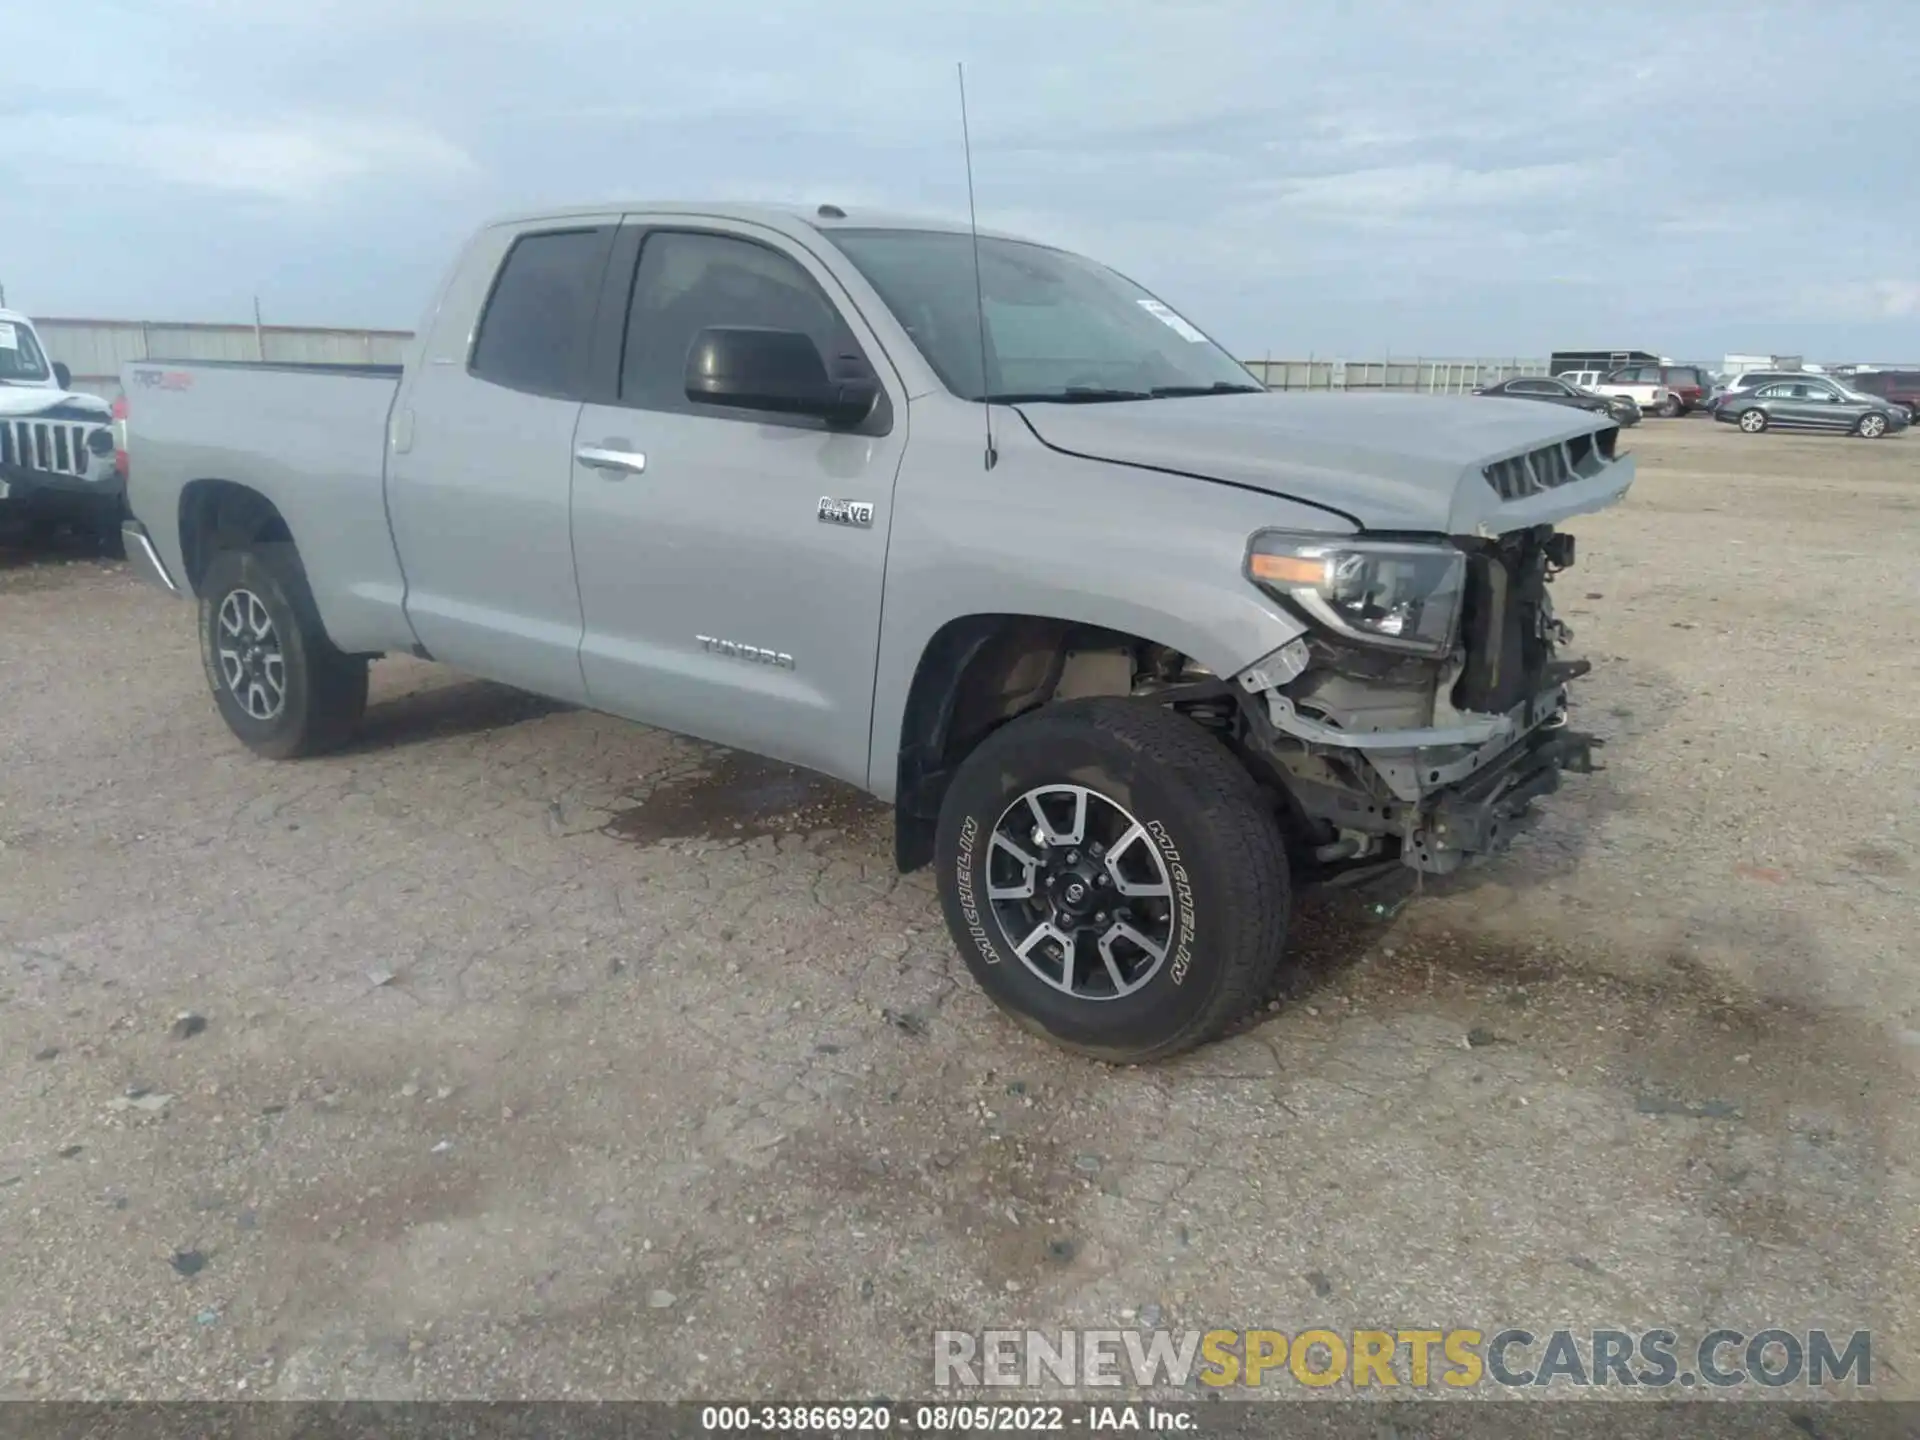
[(1072, 395), (1219, 387)]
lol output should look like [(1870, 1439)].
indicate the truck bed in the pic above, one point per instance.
[(311, 438)]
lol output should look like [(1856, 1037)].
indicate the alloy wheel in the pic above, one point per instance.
[(1080, 892), (251, 661)]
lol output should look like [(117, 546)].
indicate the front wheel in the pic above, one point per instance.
[(1753, 421), (1114, 878), (280, 684), (1871, 427)]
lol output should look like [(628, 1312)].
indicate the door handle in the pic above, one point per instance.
[(614, 462)]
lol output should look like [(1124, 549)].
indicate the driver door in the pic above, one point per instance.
[(720, 597)]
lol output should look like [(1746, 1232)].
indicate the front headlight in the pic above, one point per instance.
[(1389, 593)]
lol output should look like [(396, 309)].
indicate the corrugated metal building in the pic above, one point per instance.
[(96, 349)]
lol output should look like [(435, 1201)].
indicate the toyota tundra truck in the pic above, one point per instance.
[(1134, 648)]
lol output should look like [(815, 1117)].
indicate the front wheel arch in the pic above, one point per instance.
[(979, 671)]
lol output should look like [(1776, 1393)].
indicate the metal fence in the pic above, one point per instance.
[(1421, 375), (96, 349)]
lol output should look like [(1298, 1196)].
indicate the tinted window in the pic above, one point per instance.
[(1887, 382), (1532, 387), (687, 282), (534, 333), (1775, 392)]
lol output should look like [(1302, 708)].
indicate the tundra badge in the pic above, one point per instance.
[(734, 650), (858, 513)]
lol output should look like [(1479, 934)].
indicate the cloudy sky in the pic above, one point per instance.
[(1336, 179)]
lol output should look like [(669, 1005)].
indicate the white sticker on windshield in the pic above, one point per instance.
[(1172, 321), (9, 340)]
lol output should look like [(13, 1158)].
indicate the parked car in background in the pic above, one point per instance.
[(1902, 387), (56, 445), (1686, 386), (1556, 391), (1752, 380), (1156, 644), (1748, 381), (1644, 397), (1810, 402)]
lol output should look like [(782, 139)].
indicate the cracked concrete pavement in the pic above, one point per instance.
[(547, 1056)]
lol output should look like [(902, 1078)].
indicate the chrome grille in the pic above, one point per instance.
[(52, 445)]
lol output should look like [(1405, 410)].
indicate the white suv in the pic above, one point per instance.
[(1652, 399)]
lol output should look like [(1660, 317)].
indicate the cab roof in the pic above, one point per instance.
[(789, 219)]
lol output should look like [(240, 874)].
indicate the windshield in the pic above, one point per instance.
[(1058, 327), (20, 357)]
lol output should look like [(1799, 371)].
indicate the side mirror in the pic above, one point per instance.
[(747, 367), (62, 376)]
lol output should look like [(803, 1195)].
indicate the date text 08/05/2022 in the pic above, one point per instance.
[(946, 1418)]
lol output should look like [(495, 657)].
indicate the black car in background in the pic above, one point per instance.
[(1810, 402), (1561, 392)]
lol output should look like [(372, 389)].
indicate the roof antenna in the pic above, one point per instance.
[(979, 290)]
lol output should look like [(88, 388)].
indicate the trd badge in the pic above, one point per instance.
[(857, 513)]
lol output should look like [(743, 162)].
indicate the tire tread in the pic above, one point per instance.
[(336, 683), (1232, 806)]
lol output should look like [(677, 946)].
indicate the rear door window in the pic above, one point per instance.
[(535, 330)]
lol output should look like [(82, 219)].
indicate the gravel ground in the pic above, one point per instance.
[(537, 1054)]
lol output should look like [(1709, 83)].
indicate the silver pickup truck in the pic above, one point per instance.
[(1133, 647)]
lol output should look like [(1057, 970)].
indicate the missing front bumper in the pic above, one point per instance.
[(1450, 795), (1482, 817)]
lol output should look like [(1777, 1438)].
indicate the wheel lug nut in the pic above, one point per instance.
[(1073, 857), (1102, 880)]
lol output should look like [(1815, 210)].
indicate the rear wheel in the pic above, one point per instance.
[(1671, 407), (1753, 421), (280, 684), (1114, 878), (1871, 427)]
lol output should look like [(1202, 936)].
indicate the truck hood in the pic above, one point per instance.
[(1414, 463), (51, 402)]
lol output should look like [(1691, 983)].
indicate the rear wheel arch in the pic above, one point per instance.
[(979, 671), (218, 515)]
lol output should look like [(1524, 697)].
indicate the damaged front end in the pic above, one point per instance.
[(1424, 706)]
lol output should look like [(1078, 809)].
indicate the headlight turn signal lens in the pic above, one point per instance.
[(1395, 594)]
